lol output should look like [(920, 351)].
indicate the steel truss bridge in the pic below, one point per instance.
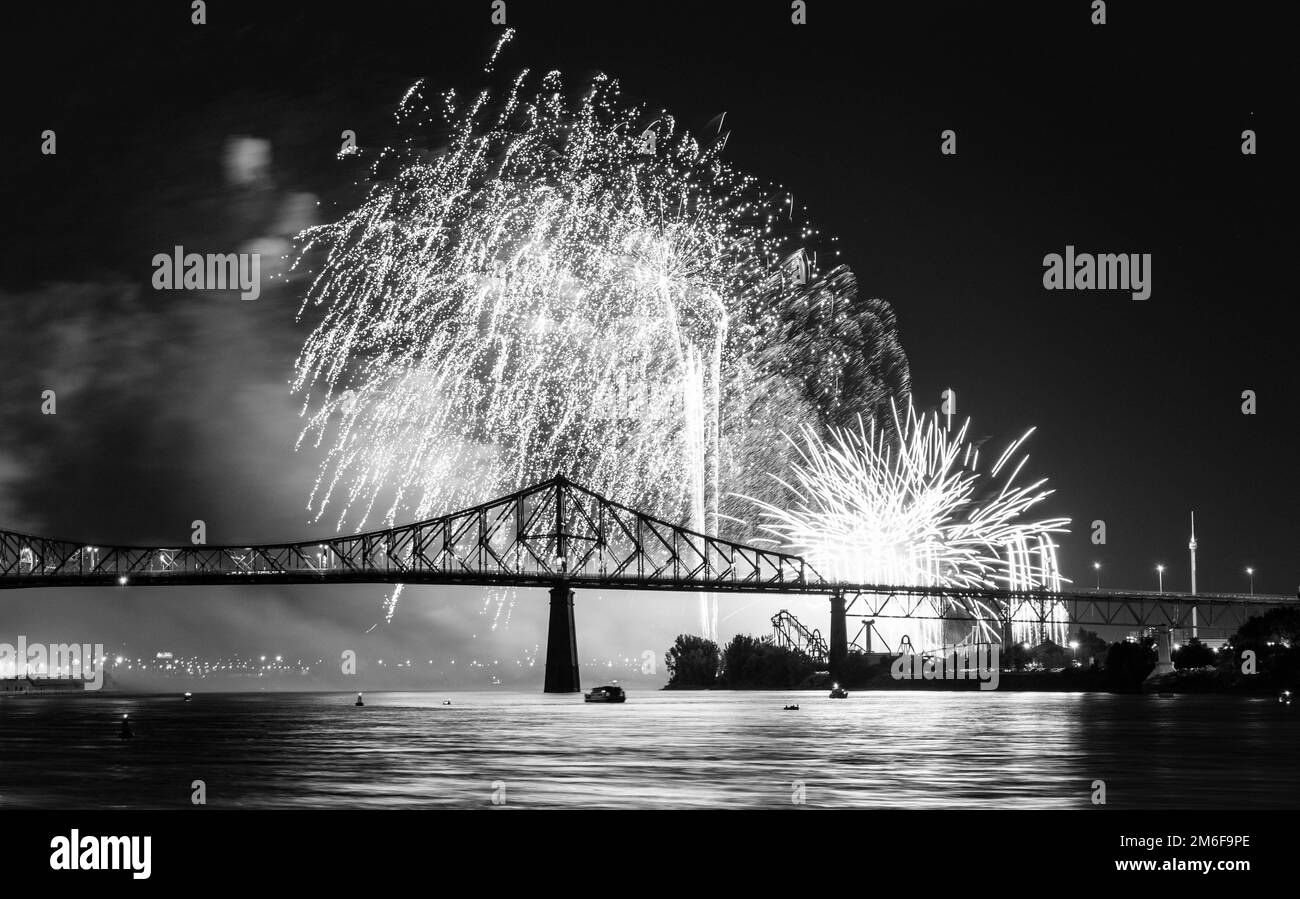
[(1207, 615), (561, 536)]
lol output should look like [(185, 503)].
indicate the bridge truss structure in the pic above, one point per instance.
[(561, 536), (553, 531)]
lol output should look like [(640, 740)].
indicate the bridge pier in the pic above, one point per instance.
[(1164, 652), (562, 644), (838, 649)]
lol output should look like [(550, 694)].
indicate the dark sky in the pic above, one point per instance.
[(1119, 138)]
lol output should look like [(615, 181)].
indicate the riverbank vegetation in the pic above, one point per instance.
[(1262, 657)]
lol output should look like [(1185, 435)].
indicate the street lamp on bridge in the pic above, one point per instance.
[(1250, 572), (1096, 566), (1160, 575)]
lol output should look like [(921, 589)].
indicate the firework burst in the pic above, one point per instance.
[(572, 286), (908, 504)]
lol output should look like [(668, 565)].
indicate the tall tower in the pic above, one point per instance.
[(1191, 546)]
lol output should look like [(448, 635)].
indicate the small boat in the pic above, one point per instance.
[(838, 692), (359, 701), (125, 733), (607, 693), (1284, 697), (188, 696), (496, 681), (446, 702), (790, 708)]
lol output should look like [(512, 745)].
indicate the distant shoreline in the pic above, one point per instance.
[(1193, 681)]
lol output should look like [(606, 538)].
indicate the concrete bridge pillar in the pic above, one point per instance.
[(839, 645), (1164, 652), (562, 644)]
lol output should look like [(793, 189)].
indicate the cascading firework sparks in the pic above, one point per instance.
[(562, 286), (907, 504)]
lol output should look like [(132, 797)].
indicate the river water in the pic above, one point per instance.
[(658, 750)]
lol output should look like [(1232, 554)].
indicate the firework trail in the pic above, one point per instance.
[(570, 286), (907, 503)]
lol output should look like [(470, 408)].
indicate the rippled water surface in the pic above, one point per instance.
[(659, 750)]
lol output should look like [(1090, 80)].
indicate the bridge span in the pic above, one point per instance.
[(561, 536)]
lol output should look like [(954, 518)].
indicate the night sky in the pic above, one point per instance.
[(1123, 138)]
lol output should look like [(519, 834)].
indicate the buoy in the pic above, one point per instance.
[(126, 729), (359, 702)]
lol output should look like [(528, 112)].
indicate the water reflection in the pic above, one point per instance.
[(659, 750)]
